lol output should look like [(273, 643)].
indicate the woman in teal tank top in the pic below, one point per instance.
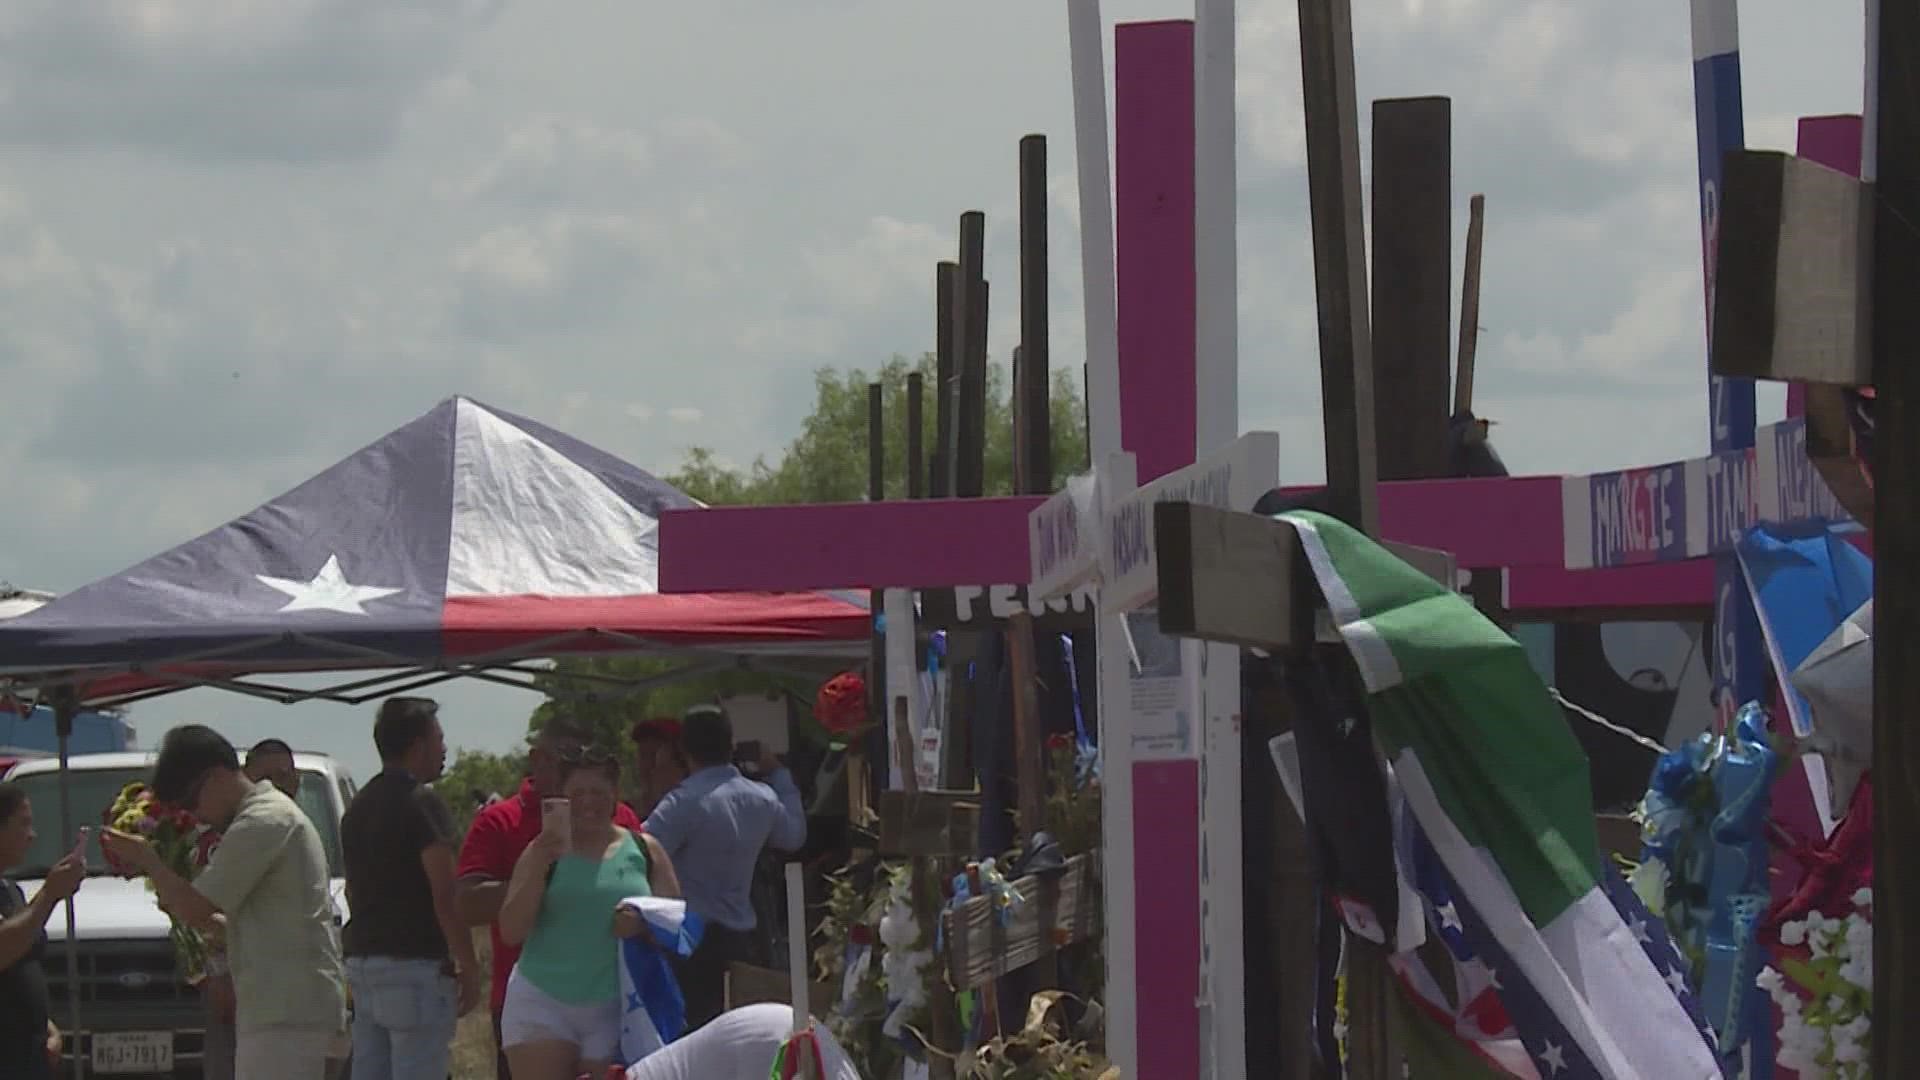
[(562, 1013)]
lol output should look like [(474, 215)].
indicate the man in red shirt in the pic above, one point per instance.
[(495, 840)]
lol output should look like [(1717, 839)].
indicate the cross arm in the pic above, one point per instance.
[(1791, 292), (1242, 579)]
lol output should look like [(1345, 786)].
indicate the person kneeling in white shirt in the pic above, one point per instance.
[(739, 1045)]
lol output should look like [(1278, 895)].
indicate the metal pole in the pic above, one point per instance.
[(66, 704)]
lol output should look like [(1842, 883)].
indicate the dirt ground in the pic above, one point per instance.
[(473, 1042)]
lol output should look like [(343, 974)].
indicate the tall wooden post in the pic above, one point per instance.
[(877, 491), (1339, 259), (1035, 382), (916, 466), (946, 372), (1892, 164), (1412, 301), (1346, 392), (970, 313), (1470, 305)]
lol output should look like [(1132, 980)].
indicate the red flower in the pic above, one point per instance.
[(1059, 740), (841, 706), (860, 935)]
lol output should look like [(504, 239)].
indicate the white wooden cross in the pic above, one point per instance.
[(1169, 724)]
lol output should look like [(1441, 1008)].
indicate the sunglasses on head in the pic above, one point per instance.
[(586, 755)]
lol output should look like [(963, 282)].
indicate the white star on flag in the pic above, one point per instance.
[(1639, 927), (1553, 1059), (1449, 916), (1677, 981), (328, 591)]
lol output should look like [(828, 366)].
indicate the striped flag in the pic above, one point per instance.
[(1499, 788), (653, 1012)]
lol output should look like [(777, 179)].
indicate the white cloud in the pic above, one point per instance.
[(564, 161), (290, 80), (566, 271)]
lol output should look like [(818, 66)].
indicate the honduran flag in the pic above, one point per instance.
[(1500, 789), (653, 1011)]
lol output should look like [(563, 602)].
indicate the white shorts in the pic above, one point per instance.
[(530, 1015)]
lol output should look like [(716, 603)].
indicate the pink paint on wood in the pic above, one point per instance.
[(1154, 238), (1833, 141), (934, 543), (1537, 588), (1484, 521), (926, 543), (1166, 920), (1159, 398)]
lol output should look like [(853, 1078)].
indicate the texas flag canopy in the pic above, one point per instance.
[(470, 534)]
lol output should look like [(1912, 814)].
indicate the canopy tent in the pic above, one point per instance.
[(466, 543)]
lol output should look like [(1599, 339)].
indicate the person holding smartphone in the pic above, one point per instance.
[(562, 1012), (500, 833)]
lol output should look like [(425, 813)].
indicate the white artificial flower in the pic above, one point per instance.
[(1793, 933), (1769, 980), (1863, 898)]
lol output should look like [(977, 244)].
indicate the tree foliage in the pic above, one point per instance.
[(475, 777), (826, 463)]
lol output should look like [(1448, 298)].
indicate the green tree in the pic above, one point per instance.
[(476, 776), (826, 463)]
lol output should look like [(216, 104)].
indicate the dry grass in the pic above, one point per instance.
[(473, 1041)]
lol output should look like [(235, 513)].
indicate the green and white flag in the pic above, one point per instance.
[(1500, 788)]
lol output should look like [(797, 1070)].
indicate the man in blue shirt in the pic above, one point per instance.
[(714, 826)]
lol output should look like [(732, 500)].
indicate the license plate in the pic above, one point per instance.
[(133, 1052)]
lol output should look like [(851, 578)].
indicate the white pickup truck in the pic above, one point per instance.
[(138, 1017)]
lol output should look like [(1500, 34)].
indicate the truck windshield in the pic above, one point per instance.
[(94, 791)]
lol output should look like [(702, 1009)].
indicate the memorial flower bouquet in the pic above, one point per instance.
[(1826, 999), (175, 835)]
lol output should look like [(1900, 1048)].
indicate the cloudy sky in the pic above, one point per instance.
[(239, 240)]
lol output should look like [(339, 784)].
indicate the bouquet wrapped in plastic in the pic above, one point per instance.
[(175, 835)]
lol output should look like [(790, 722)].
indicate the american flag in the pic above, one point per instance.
[(1497, 1010)]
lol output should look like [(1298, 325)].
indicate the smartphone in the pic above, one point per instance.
[(556, 816)]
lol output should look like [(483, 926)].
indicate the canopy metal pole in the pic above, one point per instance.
[(66, 703)]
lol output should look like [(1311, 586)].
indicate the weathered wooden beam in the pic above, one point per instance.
[(1241, 578), (877, 709), (1057, 910), (1792, 297), (751, 984), (1469, 306), (1830, 449), (1227, 576), (1894, 165), (1339, 259), (1412, 283), (970, 314), (946, 375), (1035, 416), (916, 433), (935, 824)]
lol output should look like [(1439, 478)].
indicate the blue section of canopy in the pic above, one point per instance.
[(1805, 580)]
